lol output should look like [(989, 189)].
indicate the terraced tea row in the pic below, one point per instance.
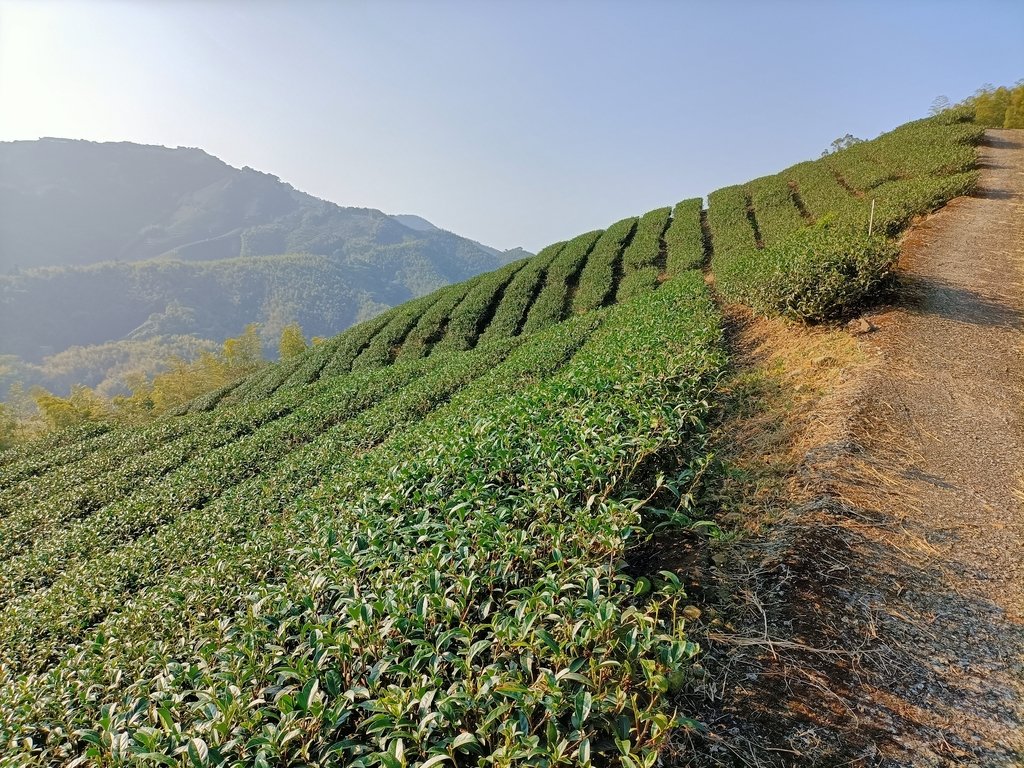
[(88, 589), (98, 575), (906, 172), (474, 313), (552, 299), (645, 260), (797, 243), (455, 593), (574, 277)]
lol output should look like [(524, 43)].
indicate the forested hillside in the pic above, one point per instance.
[(65, 202), (422, 541), (102, 243)]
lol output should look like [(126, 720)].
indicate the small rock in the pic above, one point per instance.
[(860, 326), (691, 613)]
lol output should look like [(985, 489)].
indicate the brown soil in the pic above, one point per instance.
[(880, 622)]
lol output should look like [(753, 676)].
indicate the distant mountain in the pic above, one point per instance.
[(419, 224), (101, 242), (68, 202), (414, 222)]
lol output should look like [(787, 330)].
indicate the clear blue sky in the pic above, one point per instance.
[(515, 123)]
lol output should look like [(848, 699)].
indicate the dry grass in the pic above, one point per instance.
[(821, 544), (790, 393), (786, 394)]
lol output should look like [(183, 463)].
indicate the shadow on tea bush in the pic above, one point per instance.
[(815, 274)]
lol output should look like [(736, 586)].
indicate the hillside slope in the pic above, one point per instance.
[(104, 242), (424, 540), (915, 533), (67, 202)]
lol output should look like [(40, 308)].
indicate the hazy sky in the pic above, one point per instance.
[(515, 123)]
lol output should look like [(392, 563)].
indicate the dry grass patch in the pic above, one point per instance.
[(788, 390)]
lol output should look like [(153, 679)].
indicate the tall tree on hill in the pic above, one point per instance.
[(990, 105), (1014, 117), (81, 406), (292, 341), (998, 107), (940, 104), (244, 354)]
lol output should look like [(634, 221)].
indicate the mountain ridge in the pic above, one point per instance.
[(109, 241), (204, 187)]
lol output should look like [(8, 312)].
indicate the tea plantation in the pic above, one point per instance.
[(413, 545)]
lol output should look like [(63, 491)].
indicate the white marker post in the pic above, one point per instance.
[(871, 218)]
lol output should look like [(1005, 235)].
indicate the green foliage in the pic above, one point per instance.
[(292, 342), (599, 279), (433, 323), (519, 295), (456, 585), (959, 114), (843, 142), (929, 147), (383, 347), (312, 363), (109, 368), (645, 256), (148, 396), (207, 401), (639, 281), (900, 201), (729, 221), (684, 237), (1014, 117), (75, 562), (773, 207), (475, 311), (819, 189), (350, 344), (257, 386), (555, 295), (81, 406), (409, 545), (765, 256), (998, 107), (37, 452), (245, 352), (644, 249), (813, 274), (8, 428), (239, 357)]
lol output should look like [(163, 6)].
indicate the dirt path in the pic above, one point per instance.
[(944, 428), (957, 386), (892, 601)]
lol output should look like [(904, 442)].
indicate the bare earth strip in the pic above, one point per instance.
[(946, 424), (957, 388), (890, 605)]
